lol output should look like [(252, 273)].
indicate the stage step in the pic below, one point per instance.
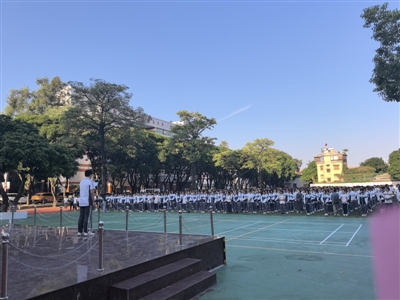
[(147, 283), (186, 288)]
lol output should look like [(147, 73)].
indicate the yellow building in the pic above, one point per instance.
[(330, 165)]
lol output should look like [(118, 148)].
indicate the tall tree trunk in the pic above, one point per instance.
[(4, 196), (193, 176), (103, 162)]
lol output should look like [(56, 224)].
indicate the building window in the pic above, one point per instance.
[(321, 168), (329, 180), (322, 176), (328, 170), (336, 167)]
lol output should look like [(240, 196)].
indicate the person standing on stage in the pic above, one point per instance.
[(86, 199)]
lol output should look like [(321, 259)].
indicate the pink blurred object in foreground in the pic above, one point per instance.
[(386, 249)]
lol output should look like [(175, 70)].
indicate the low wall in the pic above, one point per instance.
[(351, 184)]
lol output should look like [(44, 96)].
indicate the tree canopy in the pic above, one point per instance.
[(47, 129), (25, 151), (377, 163), (385, 25), (310, 173), (96, 109), (188, 138), (394, 164)]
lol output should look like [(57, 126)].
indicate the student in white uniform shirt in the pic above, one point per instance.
[(307, 201), (388, 196), (344, 198), (326, 198), (282, 202), (363, 202), (398, 192)]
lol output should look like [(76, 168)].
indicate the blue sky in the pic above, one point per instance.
[(295, 72)]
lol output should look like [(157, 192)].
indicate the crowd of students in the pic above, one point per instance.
[(329, 200)]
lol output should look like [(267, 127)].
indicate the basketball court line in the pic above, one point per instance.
[(289, 240), (331, 234), (353, 236), (300, 251), (223, 232), (297, 242), (175, 222), (244, 234), (306, 230), (349, 222), (203, 225)]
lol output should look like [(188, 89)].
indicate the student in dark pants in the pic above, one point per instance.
[(335, 201), (307, 200), (363, 202), (86, 187), (282, 202)]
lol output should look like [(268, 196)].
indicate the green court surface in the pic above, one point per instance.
[(268, 256)]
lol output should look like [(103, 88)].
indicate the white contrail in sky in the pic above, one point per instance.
[(235, 113)]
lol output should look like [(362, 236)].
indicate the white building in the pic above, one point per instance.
[(159, 126)]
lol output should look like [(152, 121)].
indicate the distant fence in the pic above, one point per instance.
[(351, 184)]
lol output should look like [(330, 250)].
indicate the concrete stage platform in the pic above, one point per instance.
[(49, 263)]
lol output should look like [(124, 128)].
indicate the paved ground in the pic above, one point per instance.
[(268, 256)]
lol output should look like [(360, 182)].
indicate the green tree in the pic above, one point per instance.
[(62, 163), (29, 154), (310, 173), (385, 25), (394, 164), (50, 93), (175, 166), (298, 163), (377, 163), (188, 139), (258, 157), (232, 162), (284, 166), (96, 109)]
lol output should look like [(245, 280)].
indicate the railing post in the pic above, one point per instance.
[(4, 265), (98, 214), (61, 211), (12, 214), (101, 226), (212, 221), (127, 217), (180, 227), (91, 217), (34, 215), (165, 219)]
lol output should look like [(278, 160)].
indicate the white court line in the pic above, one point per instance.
[(322, 223), (353, 236), (241, 235), (293, 242), (331, 234), (304, 230), (287, 240), (223, 232), (300, 251)]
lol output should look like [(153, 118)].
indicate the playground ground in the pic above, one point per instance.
[(269, 256)]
